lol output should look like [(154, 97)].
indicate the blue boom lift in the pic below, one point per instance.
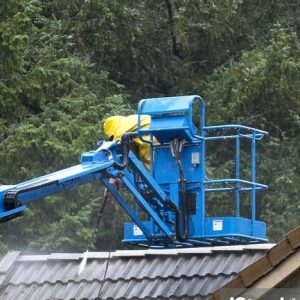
[(173, 192)]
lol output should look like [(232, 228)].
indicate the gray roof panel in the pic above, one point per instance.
[(190, 275), (8, 260)]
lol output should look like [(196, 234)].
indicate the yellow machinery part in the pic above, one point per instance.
[(114, 127)]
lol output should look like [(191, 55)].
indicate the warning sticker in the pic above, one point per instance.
[(137, 230), (218, 225)]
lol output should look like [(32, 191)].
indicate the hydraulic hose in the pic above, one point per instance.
[(182, 235), (125, 140), (178, 215), (181, 215)]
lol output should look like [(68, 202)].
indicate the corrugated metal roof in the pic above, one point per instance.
[(144, 274)]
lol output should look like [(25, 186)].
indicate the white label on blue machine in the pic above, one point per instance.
[(137, 230), (217, 225), (195, 158)]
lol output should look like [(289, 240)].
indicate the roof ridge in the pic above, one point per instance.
[(144, 253)]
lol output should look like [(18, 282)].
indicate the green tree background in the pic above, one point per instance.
[(66, 65)]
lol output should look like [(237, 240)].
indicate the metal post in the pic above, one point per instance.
[(203, 170), (237, 175), (253, 176), (151, 155)]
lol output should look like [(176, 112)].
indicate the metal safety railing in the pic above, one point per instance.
[(237, 184)]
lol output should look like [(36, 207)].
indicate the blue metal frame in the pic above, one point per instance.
[(174, 180), (236, 228), (253, 135)]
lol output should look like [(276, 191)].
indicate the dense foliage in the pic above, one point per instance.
[(66, 65)]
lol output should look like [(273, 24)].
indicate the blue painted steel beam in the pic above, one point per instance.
[(67, 174), (235, 126), (126, 207), (229, 180), (233, 189), (147, 177), (62, 180), (44, 191), (50, 184), (237, 175), (203, 167), (253, 177), (152, 213), (231, 137)]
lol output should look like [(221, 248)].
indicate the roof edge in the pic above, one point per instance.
[(275, 256), (146, 253)]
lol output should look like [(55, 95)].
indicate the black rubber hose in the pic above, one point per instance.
[(182, 236), (178, 218), (181, 214), (181, 217), (125, 152)]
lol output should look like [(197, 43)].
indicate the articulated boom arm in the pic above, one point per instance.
[(171, 189), (13, 198), (102, 164)]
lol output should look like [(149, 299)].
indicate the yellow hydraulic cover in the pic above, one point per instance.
[(114, 127)]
